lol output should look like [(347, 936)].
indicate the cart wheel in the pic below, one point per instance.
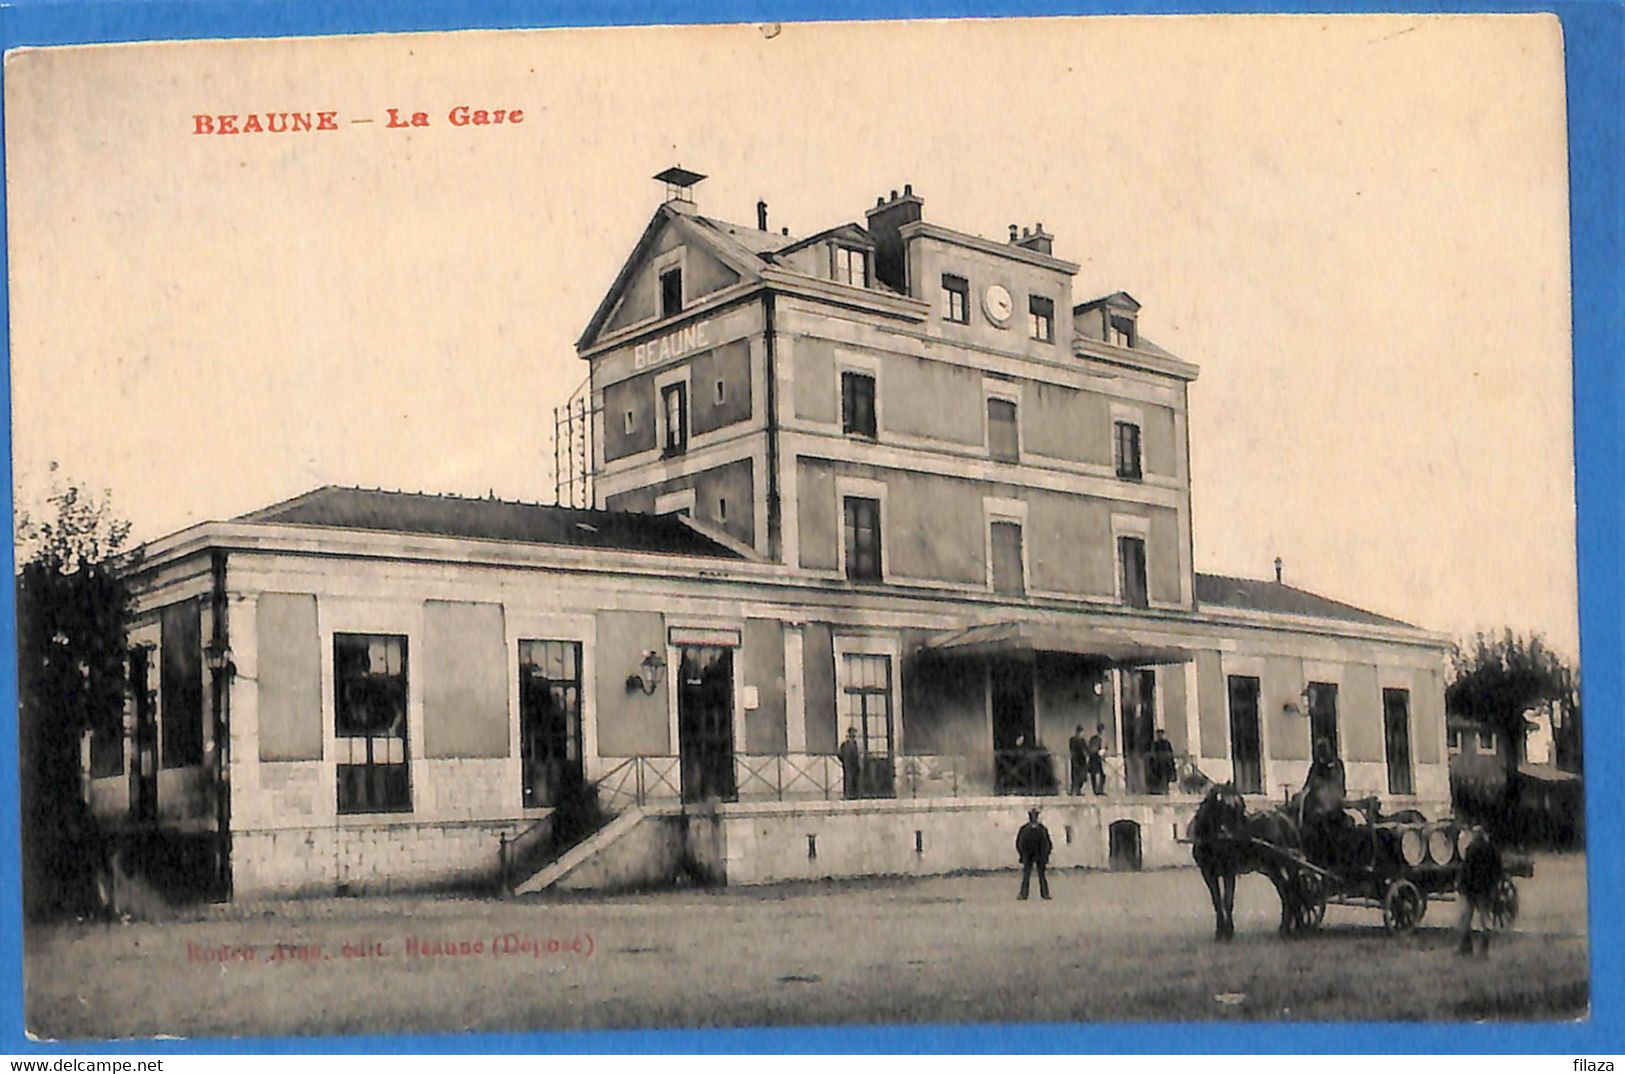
[(1402, 907), (1503, 908), (1311, 901)]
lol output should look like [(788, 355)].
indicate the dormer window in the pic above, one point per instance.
[(851, 266), (1120, 330), (671, 292)]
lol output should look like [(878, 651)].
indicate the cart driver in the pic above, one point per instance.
[(1323, 818)]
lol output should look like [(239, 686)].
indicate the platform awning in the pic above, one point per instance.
[(1109, 648)]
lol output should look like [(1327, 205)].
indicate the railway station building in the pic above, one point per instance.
[(889, 483)]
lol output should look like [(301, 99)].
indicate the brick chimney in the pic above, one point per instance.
[(1037, 240), (761, 215), (885, 220)]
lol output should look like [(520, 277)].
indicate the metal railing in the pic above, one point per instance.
[(644, 778), (1131, 776), (784, 777)]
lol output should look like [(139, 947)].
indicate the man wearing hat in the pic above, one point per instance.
[(1033, 847)]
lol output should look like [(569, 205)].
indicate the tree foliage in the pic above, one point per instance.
[(71, 608), (1499, 677)]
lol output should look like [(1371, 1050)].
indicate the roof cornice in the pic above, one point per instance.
[(1134, 359), (928, 230)]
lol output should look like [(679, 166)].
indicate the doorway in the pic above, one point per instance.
[(144, 763), (1137, 693), (1246, 741), (1123, 846), (705, 722), (550, 748), (1020, 763)]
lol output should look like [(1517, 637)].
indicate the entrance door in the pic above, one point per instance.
[(705, 722), (550, 721), (1139, 709), (144, 766), (1246, 752), (1018, 762)]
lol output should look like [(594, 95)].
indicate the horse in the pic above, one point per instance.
[(1226, 844)]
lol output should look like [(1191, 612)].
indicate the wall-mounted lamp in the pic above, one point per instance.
[(647, 677), (217, 657), (1293, 708)]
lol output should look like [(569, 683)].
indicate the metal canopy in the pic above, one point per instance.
[(1110, 648)]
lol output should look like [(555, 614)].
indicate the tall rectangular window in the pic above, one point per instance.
[(180, 684), (1396, 733), (1003, 438), (955, 299), (862, 535), (1041, 318), (674, 406), (1128, 451), (866, 700), (1323, 714), (671, 292), (1131, 565), (369, 720), (1246, 742), (851, 266), (858, 404), (1005, 542)]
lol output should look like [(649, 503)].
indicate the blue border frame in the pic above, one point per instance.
[(1594, 36)]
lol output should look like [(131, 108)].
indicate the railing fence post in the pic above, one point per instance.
[(778, 773), (502, 859), (637, 778)]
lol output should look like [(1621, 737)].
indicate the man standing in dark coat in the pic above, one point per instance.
[(1078, 747), (851, 757), (1097, 761), (1033, 847), (1481, 873)]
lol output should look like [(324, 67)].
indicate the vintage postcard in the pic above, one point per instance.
[(1036, 520)]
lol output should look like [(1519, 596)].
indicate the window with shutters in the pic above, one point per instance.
[(1009, 574), (674, 419), (1131, 572), (1003, 433), (861, 538), (1128, 451), (858, 404)]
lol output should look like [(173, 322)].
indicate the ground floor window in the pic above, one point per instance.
[(1323, 715), (1396, 726), (1246, 742), (369, 710), (550, 720)]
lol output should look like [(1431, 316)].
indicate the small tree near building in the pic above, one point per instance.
[(71, 606), (1499, 677)]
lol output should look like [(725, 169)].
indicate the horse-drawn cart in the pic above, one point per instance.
[(1396, 864)]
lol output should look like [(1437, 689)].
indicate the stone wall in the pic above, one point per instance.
[(368, 859)]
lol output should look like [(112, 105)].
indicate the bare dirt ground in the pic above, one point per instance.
[(1109, 947)]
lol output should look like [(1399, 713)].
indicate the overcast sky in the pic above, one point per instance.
[(1355, 226)]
